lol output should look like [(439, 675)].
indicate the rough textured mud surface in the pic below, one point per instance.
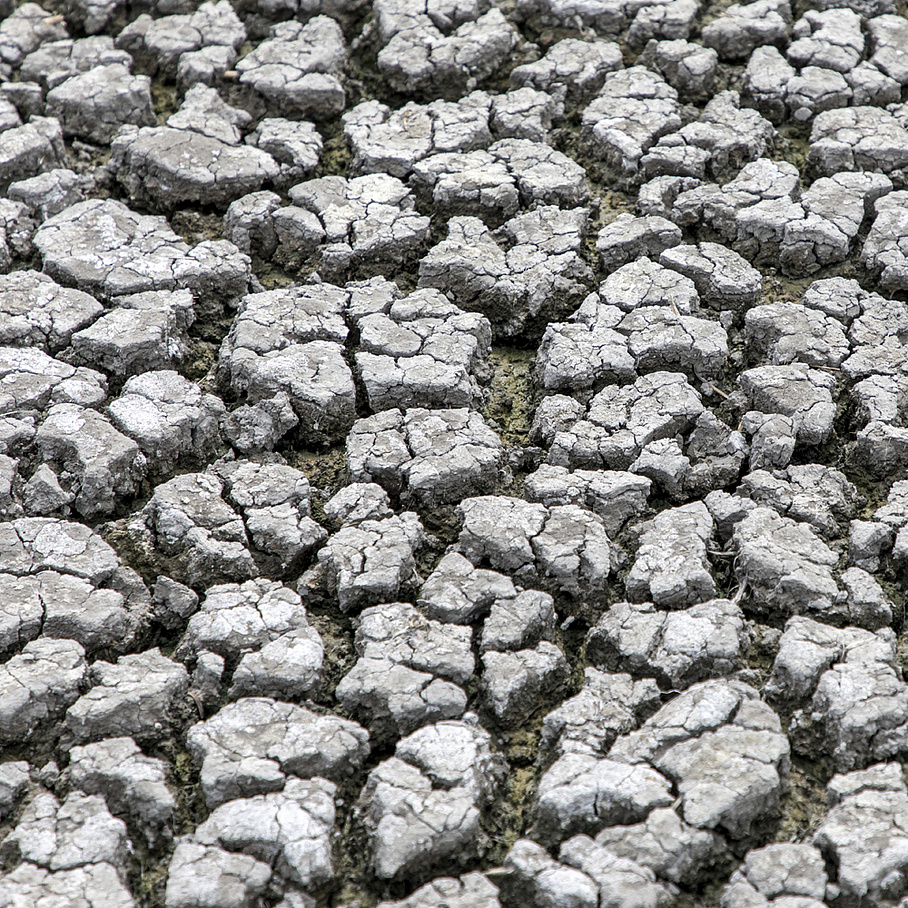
[(453, 454)]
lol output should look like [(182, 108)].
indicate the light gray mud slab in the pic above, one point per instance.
[(453, 453)]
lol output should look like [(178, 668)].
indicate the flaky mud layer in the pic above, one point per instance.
[(453, 454)]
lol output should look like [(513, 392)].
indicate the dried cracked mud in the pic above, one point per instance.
[(453, 454)]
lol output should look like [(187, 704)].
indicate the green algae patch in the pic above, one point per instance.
[(336, 631), (792, 145), (336, 156), (511, 814), (148, 881), (164, 100), (272, 276), (511, 393), (195, 227), (325, 470), (803, 805), (201, 361)]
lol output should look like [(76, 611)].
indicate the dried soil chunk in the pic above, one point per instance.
[(26, 151), (422, 59), (433, 457), (565, 547), (545, 176), (133, 785), (296, 146), (664, 843), (518, 288), (386, 141), (363, 220), (787, 568), (765, 84), (135, 697), (778, 872), (608, 705), (21, 611), (660, 340), (602, 16), (35, 311), (23, 31), (158, 44), (467, 184), (787, 332), (77, 833), (291, 829), (717, 145), (796, 391), (472, 890), (146, 331), (864, 832), (38, 685), (616, 496), (102, 464), (535, 878), (634, 109), (519, 623), (677, 648), (688, 68), (393, 699), (299, 69), (422, 806), (858, 138), (169, 417), (94, 884), (887, 36), (584, 793), (205, 876), (622, 881), (235, 619), (251, 746), (163, 168), (14, 782), (858, 712), (95, 104), (74, 609), (357, 502), (621, 421), (33, 544), (742, 28), (103, 247), (672, 19), (399, 646), (423, 351), (191, 523), (646, 283), (724, 749), (314, 376), (672, 569), (762, 215), (885, 252), (627, 238), (818, 495), (807, 649), (401, 633), (571, 71), (372, 562), (514, 683), (275, 503), (457, 592), (56, 61), (830, 38), (33, 381), (205, 112)]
